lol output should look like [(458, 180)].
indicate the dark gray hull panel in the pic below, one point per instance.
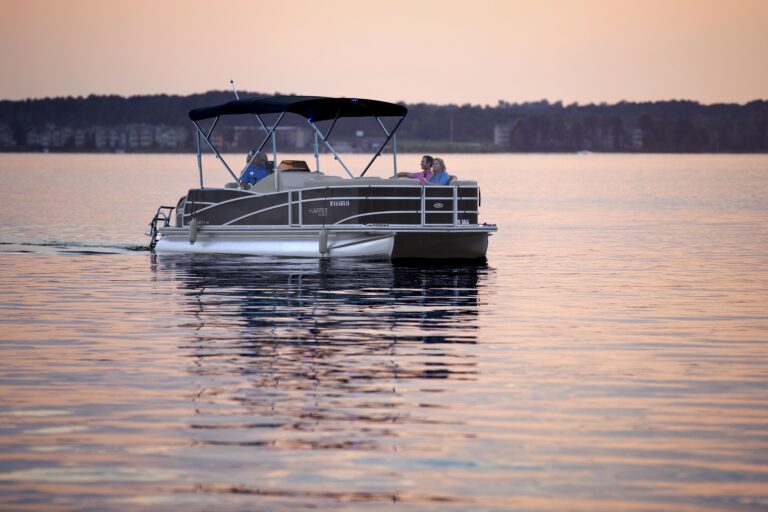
[(440, 245)]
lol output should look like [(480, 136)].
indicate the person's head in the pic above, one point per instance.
[(438, 165), (260, 159), (426, 162)]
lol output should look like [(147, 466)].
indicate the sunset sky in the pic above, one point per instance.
[(440, 51)]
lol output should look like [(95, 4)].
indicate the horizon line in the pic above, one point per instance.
[(500, 102)]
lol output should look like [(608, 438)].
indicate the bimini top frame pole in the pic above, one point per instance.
[(199, 158), (318, 133), (207, 139), (384, 144), (264, 127)]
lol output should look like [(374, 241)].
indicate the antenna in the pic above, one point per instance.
[(237, 96)]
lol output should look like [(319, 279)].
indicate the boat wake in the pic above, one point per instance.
[(69, 247)]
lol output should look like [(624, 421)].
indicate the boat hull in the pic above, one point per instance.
[(370, 218), (391, 243)]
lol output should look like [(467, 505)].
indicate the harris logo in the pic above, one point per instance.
[(438, 205)]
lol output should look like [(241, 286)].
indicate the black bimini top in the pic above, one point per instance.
[(314, 108)]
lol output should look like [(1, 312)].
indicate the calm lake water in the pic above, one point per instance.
[(612, 354)]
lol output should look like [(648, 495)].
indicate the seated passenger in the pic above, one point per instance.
[(256, 170), (424, 175), (440, 176)]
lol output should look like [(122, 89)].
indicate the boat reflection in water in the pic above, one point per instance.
[(267, 316), (294, 356), (328, 302)]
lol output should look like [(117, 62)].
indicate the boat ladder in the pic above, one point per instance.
[(160, 215)]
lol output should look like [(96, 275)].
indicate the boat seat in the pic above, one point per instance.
[(293, 166), (369, 180), (320, 180), (293, 180), (288, 181), (297, 180)]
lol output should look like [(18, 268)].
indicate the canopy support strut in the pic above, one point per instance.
[(199, 159), (328, 145), (216, 151), (389, 136)]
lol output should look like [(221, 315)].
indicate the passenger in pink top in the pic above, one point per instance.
[(424, 175)]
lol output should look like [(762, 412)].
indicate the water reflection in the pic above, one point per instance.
[(323, 354), (330, 301)]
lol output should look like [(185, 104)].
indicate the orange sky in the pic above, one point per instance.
[(439, 51)]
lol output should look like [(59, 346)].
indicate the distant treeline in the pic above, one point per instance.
[(160, 123)]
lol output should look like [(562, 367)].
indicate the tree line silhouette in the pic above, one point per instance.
[(662, 126)]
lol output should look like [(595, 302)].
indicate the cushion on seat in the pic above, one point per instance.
[(293, 166)]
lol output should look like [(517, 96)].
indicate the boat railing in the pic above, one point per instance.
[(296, 203)]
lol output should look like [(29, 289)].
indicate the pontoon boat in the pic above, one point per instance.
[(309, 214)]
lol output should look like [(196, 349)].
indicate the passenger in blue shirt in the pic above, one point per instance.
[(256, 171), (440, 176)]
